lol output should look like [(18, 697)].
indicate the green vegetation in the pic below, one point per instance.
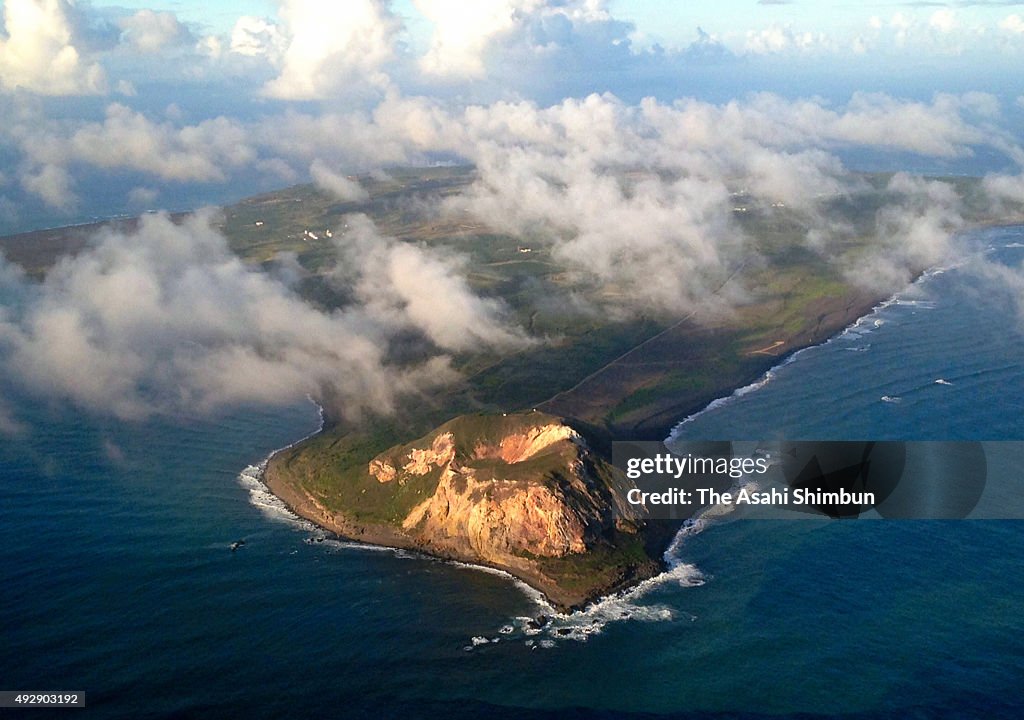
[(632, 378), (620, 379), (606, 565)]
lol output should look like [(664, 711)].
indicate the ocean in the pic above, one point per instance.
[(119, 579)]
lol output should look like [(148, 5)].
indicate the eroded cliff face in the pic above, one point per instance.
[(519, 490), (522, 492)]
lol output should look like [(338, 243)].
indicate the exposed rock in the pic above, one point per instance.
[(440, 453), (519, 446), (521, 492), (384, 472), (489, 505)]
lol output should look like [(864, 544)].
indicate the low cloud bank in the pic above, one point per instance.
[(642, 206), (168, 320)]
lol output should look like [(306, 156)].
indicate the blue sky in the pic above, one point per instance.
[(669, 22), (113, 107)]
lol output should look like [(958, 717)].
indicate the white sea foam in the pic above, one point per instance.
[(862, 326), (737, 394), (918, 304), (260, 496), (627, 605), (536, 596), (624, 606), (855, 331), (272, 507), (365, 547)]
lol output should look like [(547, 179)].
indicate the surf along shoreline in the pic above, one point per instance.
[(838, 315), (555, 598), (834, 325)]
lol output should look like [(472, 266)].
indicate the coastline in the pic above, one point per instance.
[(655, 420), (305, 509), (304, 505), (880, 305), (792, 356), (841, 318)]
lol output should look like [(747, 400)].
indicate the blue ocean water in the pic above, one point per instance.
[(118, 578), (943, 360)]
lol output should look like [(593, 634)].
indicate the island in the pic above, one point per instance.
[(508, 466)]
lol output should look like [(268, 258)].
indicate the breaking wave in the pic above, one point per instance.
[(857, 330), (578, 626), (260, 496)]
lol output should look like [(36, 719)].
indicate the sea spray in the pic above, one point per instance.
[(625, 605), (252, 478)]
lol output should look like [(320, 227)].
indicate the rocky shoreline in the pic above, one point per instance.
[(836, 315), (307, 507)]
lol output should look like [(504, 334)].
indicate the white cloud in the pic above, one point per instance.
[(335, 183), (1005, 284), (781, 39), (406, 285), (333, 45), (255, 37), (516, 42), (633, 200), (53, 184), (210, 46), (126, 88), (39, 53), (53, 152), (462, 31), (944, 21), (149, 32), (913, 232), (202, 330), (944, 32), (1012, 24), (1005, 188), (127, 139), (143, 197)]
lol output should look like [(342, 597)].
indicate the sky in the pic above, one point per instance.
[(671, 23), (617, 131), (189, 94)]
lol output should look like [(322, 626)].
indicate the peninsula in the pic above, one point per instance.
[(520, 492)]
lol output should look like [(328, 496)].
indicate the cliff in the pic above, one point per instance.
[(525, 493)]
